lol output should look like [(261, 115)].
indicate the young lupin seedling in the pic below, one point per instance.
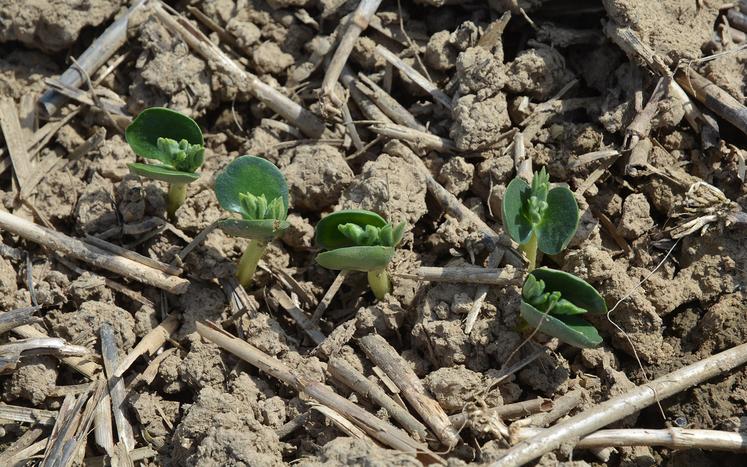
[(254, 188), (539, 217), (173, 139), (552, 302), (359, 240)]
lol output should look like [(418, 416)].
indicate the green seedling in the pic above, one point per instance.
[(254, 188), (175, 141), (553, 302), (536, 216), (359, 240)]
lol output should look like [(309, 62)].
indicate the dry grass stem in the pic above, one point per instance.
[(384, 356), (62, 244), (623, 405)]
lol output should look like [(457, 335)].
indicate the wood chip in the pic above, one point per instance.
[(14, 140)]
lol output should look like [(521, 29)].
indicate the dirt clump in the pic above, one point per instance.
[(440, 54), (538, 73), (94, 210), (343, 451), (480, 72), (51, 26), (316, 176), (438, 332), (265, 333), (270, 59), (636, 315), (156, 416), (728, 73), (455, 387), (220, 429), (90, 287), (113, 156), (24, 71), (245, 32), (57, 196), (137, 198), (146, 319), (636, 219), (32, 380), (201, 302), (688, 27), (168, 377), (8, 284), (384, 318), (388, 186), (715, 404), (456, 175), (83, 325), (203, 365), (478, 122), (300, 233), (610, 380), (406, 290), (723, 325), (199, 210), (168, 74)]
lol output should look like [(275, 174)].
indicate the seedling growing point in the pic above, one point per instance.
[(359, 240), (254, 188), (553, 302), (538, 217), (173, 139)]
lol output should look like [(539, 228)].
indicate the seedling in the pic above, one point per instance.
[(539, 217), (254, 188), (174, 140), (359, 240), (553, 302)]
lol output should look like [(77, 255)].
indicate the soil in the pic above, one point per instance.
[(200, 405)]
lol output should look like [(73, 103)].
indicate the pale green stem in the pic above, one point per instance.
[(175, 198), (378, 280), (530, 249), (249, 260)]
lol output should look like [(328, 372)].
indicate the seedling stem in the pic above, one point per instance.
[(530, 249), (176, 196), (378, 280), (248, 263)]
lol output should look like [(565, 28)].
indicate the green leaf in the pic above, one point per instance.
[(559, 222), (249, 174), (572, 330), (158, 122), (572, 288), (356, 258), (398, 233), (515, 203), (265, 230), (328, 235), (182, 155), (566, 307), (162, 172)]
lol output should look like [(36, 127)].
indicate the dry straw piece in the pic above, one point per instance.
[(623, 405), (68, 246)]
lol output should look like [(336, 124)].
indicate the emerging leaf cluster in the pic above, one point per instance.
[(256, 189), (554, 302), (255, 207), (534, 293), (182, 155), (537, 210), (370, 235), (169, 137), (357, 240)]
